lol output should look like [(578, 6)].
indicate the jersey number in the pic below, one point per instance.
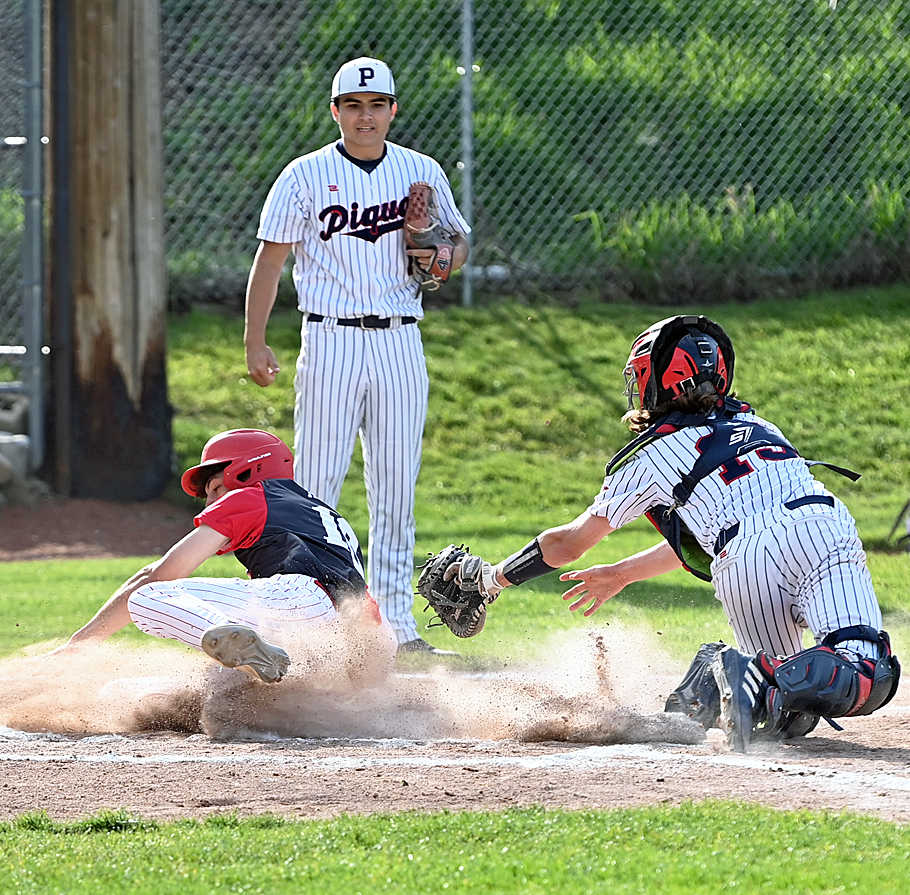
[(737, 467), (339, 532)]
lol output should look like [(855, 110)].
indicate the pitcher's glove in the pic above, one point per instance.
[(423, 231), (458, 586)]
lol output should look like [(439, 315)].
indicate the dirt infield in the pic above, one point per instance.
[(164, 734)]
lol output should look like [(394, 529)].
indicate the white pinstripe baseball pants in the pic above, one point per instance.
[(375, 383), (788, 570), (278, 607)]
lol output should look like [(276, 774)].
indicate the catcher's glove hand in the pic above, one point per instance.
[(458, 586), (422, 231)]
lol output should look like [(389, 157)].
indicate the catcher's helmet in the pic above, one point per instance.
[(247, 456), (674, 357)]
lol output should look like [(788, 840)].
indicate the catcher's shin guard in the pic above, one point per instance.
[(819, 681), (780, 724)]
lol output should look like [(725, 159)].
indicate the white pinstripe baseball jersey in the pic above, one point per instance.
[(345, 221), (725, 496), (345, 224), (786, 569)]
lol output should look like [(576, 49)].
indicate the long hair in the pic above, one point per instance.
[(702, 400)]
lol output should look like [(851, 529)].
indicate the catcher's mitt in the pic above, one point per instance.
[(423, 231), (459, 595)]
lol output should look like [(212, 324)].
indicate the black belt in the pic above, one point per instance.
[(728, 534), (370, 321)]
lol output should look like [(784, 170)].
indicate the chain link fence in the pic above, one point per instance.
[(647, 149), (12, 130)]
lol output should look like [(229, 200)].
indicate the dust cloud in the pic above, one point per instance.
[(603, 685)]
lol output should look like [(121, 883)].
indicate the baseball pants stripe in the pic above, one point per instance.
[(373, 382), (278, 607), (794, 570)]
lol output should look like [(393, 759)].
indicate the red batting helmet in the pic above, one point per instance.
[(247, 456), (674, 357)]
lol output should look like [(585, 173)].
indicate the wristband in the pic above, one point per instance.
[(526, 564)]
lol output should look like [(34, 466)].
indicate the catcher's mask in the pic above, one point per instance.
[(247, 456), (676, 357)]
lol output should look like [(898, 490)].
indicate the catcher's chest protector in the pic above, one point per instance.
[(728, 440)]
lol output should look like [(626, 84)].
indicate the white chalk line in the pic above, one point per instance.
[(614, 757)]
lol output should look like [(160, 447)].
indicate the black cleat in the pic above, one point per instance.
[(742, 696), (419, 646)]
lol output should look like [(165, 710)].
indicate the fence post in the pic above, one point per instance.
[(467, 138), (33, 233), (110, 310)]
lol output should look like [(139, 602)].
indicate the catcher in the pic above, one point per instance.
[(737, 506)]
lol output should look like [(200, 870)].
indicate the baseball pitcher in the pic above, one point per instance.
[(369, 223)]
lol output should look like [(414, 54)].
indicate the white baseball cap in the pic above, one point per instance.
[(363, 75)]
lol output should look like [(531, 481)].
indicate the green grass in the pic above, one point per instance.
[(524, 413), (525, 406), (711, 847)]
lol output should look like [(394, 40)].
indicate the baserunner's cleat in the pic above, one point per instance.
[(234, 645)]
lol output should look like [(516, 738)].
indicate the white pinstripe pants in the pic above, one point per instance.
[(788, 570), (279, 608), (375, 383)]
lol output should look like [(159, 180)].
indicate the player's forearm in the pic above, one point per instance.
[(262, 290), (650, 563), (461, 251), (552, 549), (567, 543), (114, 615), (260, 299)]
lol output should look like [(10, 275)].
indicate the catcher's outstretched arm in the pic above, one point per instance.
[(552, 549), (600, 583), (459, 585)]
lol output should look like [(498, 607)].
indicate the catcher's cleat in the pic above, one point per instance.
[(234, 645), (697, 694), (742, 696)]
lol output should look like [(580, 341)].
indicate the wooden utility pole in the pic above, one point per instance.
[(110, 426)]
